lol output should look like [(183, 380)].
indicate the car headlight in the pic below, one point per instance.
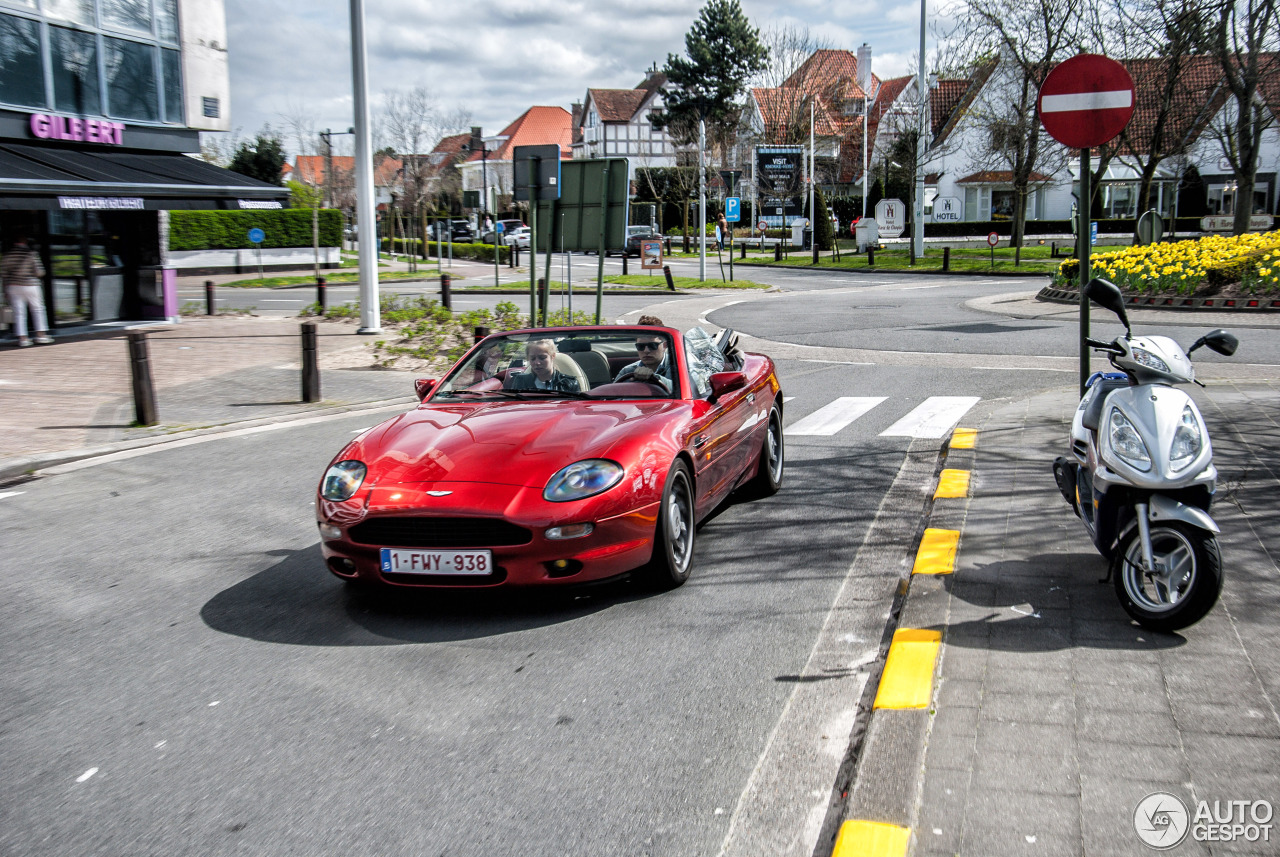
[(1127, 443), (582, 479), (1146, 358), (342, 480), (1187, 441)]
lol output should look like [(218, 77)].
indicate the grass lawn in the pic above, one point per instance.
[(588, 287), (1035, 260), (330, 277)]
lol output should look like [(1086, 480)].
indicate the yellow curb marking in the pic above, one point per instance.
[(937, 553), (963, 438), (871, 839), (907, 681), (951, 484)]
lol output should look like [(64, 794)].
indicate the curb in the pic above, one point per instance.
[(884, 799), (1011, 274), (1049, 294), (27, 466)]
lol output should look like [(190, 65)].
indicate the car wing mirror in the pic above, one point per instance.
[(726, 382), (1218, 340), (423, 387), (1107, 295)]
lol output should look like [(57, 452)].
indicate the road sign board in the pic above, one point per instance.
[(547, 180), (257, 236), (762, 225), (1226, 222), (1093, 233), (948, 209), (993, 239), (891, 217), (1086, 101), (733, 209), (499, 228), (651, 253)]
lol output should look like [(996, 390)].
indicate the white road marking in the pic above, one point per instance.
[(86, 775), (366, 428), (839, 362), (280, 301), (831, 418), (1023, 368), (786, 399), (161, 744), (215, 702), (933, 417), (11, 494)]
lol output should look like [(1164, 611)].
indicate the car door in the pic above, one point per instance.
[(718, 434)]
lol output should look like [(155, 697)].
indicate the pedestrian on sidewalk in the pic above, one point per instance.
[(21, 272)]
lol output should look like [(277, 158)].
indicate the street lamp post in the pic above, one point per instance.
[(917, 220), (370, 312), (484, 200), (702, 199)]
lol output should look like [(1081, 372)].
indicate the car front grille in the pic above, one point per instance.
[(439, 533)]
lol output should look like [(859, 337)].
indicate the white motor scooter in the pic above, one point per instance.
[(1141, 476)]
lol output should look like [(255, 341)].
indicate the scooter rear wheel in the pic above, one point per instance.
[(1187, 581)]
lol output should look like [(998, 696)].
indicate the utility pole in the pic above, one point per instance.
[(366, 225), (922, 142), (702, 200)]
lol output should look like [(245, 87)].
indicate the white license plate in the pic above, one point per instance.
[(436, 562)]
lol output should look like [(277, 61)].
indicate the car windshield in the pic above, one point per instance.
[(638, 230), (618, 363)]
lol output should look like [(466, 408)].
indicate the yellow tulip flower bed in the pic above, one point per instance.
[(1250, 262)]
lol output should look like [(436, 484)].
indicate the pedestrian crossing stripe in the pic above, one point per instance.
[(937, 553), (932, 418), (907, 680), (834, 416), (871, 839)]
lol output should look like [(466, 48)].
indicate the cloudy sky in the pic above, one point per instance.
[(496, 58)]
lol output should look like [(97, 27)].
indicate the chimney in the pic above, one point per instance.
[(477, 139), (864, 68)]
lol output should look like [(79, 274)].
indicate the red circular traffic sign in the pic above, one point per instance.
[(993, 238), (1086, 101), (762, 225)]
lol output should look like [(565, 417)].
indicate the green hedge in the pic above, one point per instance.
[(229, 230), (475, 252)]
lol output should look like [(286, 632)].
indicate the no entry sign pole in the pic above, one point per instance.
[(1086, 102)]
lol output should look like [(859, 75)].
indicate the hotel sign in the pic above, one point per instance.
[(46, 126)]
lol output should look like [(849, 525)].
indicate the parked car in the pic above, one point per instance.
[(603, 472), (518, 238), (636, 234), (508, 226), (460, 229)]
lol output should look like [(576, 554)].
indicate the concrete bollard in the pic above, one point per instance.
[(321, 297), (210, 302), (144, 391), (666, 272), (625, 256), (946, 258), (446, 292), (310, 363), (479, 333), (871, 256)]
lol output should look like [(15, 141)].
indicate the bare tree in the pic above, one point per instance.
[(219, 147), (1030, 37), (1241, 36), (790, 80)]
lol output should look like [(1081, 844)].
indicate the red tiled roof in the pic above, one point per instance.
[(785, 113), (310, 169), (1000, 177), (832, 72), (537, 126), (1197, 95), (617, 105)]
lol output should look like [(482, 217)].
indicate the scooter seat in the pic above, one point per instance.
[(1093, 414)]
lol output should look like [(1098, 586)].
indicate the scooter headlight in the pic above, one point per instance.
[(1127, 443), (1187, 441), (1146, 358)]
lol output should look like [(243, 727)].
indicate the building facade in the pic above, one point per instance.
[(101, 103)]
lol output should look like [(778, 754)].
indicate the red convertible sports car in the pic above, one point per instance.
[(553, 457)]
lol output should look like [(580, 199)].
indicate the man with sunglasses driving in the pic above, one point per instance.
[(654, 365)]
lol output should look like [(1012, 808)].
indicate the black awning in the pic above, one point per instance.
[(53, 177)]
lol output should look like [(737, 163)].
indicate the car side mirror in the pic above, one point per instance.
[(1106, 294), (726, 382), (1218, 340), (424, 386)]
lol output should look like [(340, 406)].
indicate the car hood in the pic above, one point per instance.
[(505, 443)]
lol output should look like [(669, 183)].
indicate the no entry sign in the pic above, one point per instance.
[(1086, 101)]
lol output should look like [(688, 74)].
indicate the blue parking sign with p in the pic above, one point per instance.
[(733, 209), (498, 226)]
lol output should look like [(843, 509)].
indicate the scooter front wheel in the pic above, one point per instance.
[(1184, 584)]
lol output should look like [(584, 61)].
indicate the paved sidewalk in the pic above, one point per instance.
[(207, 371), (1052, 715)]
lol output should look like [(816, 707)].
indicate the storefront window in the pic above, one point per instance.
[(167, 20), (78, 11), (21, 71), (132, 15), (172, 62), (131, 80), (75, 71), (1002, 204)]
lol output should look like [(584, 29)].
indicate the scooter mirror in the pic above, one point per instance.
[(1221, 341), (1107, 295)]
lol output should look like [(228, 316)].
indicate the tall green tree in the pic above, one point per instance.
[(263, 159), (723, 51)]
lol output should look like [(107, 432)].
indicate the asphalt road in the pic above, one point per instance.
[(183, 676)]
